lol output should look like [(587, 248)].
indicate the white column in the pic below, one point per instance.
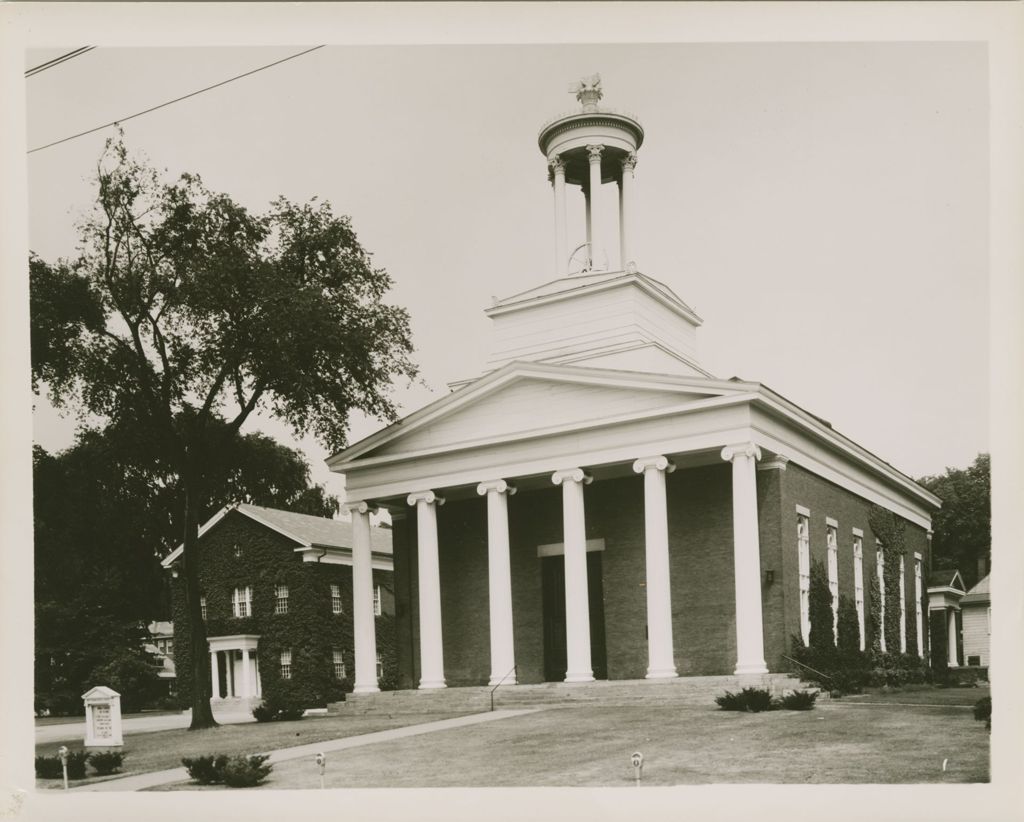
[(626, 209), (594, 156), (660, 656), (557, 166), (577, 605), (951, 639), (746, 558), (246, 675), (363, 623), (431, 649), (229, 672), (499, 578), (214, 676)]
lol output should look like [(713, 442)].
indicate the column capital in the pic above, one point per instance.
[(573, 475), (556, 164), (659, 463), (629, 161), (499, 485), (745, 449), (429, 497), (594, 154), (359, 507)]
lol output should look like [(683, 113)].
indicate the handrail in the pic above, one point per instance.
[(809, 668), (512, 670)]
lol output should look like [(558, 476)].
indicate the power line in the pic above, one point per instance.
[(175, 100), (56, 61)]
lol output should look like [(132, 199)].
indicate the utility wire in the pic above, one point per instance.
[(56, 61), (175, 100)]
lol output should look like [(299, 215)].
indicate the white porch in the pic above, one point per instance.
[(234, 670)]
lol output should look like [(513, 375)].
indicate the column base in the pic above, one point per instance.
[(662, 673), (583, 676), (366, 689), (494, 682), (751, 668), (431, 684)]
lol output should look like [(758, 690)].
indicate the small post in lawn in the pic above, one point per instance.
[(638, 766), (62, 752), (321, 762)]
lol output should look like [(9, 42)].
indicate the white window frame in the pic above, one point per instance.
[(803, 548), (338, 659), (858, 580), (880, 571), (285, 661), (832, 545), (376, 601), (337, 606), (241, 602), (202, 608), (903, 605), (280, 599), (918, 611), (380, 666)]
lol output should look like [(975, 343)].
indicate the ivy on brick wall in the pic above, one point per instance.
[(873, 626), (891, 530), (309, 630)]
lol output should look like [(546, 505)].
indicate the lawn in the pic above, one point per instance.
[(837, 742), (159, 750)]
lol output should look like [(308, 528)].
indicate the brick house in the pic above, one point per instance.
[(277, 598), (598, 505)]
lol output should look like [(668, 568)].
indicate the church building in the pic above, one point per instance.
[(597, 505)]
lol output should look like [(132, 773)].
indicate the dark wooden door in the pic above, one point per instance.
[(553, 592)]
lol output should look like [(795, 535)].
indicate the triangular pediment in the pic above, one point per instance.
[(525, 399)]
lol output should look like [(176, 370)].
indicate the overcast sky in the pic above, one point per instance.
[(823, 207)]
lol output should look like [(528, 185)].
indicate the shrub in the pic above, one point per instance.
[(264, 713), (246, 771), (48, 767), (822, 636), (279, 708), (799, 700), (76, 764), (848, 626), (206, 770), (983, 710), (753, 700), (106, 762)]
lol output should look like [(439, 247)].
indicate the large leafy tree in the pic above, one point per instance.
[(104, 515), (185, 313), (963, 526)]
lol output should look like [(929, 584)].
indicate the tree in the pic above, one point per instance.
[(848, 626), (822, 637), (104, 515), (209, 313), (963, 526)]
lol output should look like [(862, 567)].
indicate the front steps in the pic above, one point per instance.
[(684, 691)]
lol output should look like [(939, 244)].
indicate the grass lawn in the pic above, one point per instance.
[(160, 750)]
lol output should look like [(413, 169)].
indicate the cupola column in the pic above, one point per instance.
[(557, 166), (431, 649), (594, 157), (626, 208), (577, 606)]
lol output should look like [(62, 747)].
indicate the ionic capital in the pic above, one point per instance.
[(629, 161), (498, 486), (571, 475), (594, 153), (429, 497), (359, 507), (742, 449), (658, 463)]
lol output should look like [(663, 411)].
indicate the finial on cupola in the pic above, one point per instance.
[(588, 91)]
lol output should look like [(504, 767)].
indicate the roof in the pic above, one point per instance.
[(305, 529), (946, 578), (979, 593)]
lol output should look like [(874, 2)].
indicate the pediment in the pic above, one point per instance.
[(523, 399)]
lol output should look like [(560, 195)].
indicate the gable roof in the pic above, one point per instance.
[(946, 578), (979, 593), (304, 529)]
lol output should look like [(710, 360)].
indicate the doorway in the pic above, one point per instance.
[(553, 592)]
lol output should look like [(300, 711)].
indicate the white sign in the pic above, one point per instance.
[(102, 718)]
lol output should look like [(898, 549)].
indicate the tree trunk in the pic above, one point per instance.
[(199, 649)]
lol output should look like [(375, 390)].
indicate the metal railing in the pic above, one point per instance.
[(513, 670), (812, 670)]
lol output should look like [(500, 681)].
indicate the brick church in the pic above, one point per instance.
[(597, 505)]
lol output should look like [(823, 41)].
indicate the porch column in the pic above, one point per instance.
[(246, 675), (577, 607), (746, 559), (499, 580), (214, 676), (363, 623), (431, 649), (660, 656), (229, 672), (952, 660)]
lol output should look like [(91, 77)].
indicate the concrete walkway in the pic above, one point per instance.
[(134, 725), (143, 781)]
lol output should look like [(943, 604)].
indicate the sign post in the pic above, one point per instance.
[(62, 752), (321, 762), (638, 766)]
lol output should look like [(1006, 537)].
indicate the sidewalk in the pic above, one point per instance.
[(155, 779), (134, 725)]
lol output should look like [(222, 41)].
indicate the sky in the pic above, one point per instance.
[(822, 206)]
